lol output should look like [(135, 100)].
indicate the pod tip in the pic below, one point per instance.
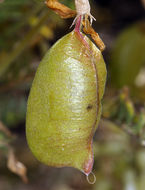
[(88, 166), (91, 180)]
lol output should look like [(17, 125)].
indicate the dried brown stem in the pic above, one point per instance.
[(16, 167)]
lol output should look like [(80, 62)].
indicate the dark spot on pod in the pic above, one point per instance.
[(89, 107)]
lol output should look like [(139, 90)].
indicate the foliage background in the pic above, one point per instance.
[(27, 30)]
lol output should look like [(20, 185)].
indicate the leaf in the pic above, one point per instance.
[(128, 55)]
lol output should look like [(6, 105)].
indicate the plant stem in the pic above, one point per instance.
[(22, 45)]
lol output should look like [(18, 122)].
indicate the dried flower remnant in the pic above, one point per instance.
[(82, 14), (83, 9)]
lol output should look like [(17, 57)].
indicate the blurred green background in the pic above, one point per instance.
[(27, 30)]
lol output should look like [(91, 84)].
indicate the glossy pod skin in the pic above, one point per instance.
[(64, 104)]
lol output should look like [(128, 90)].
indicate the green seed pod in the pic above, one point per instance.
[(64, 104)]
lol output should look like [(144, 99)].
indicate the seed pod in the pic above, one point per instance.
[(64, 104)]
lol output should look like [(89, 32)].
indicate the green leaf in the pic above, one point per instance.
[(128, 55)]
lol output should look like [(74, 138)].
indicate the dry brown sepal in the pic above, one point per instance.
[(95, 36), (60, 9)]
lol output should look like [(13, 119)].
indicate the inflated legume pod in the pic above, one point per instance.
[(64, 104)]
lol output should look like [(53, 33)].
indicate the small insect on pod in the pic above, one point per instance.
[(64, 105)]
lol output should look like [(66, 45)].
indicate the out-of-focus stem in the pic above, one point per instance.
[(22, 45)]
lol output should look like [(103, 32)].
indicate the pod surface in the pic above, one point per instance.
[(64, 104)]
